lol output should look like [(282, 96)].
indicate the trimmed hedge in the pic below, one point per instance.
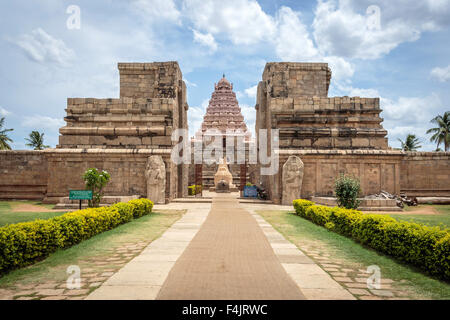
[(22, 244), (422, 246)]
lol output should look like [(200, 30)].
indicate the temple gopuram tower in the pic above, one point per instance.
[(223, 115), (223, 112)]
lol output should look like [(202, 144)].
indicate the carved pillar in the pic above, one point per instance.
[(292, 180), (156, 179)]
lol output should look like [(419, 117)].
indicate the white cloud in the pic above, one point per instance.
[(342, 28), (38, 122), (4, 112), (195, 116), (239, 95), (342, 70), (251, 92), (406, 115), (441, 74), (357, 92), (158, 10), (292, 41), (41, 47), (249, 114), (243, 21), (206, 39), (188, 83)]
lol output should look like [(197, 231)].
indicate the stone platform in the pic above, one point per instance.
[(365, 205), (66, 203)]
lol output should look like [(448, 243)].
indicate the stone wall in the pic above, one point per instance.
[(307, 118), (292, 79), (426, 174), (126, 167), (23, 175), (377, 170), (152, 104), (416, 174)]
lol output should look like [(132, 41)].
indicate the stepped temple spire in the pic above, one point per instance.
[(223, 112)]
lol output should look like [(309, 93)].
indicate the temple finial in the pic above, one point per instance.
[(224, 75)]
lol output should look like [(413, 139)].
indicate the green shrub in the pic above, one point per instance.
[(301, 205), (347, 190), (22, 244), (425, 247), (95, 181), (194, 189)]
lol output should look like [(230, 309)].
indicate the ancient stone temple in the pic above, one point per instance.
[(223, 115), (223, 112), (294, 98), (130, 137), (118, 135), (333, 135), (152, 104)]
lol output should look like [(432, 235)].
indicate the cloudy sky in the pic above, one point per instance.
[(397, 50)]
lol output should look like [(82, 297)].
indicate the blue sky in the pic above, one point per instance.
[(396, 50)]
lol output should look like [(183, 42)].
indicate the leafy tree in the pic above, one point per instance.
[(441, 133), (4, 139), (95, 181), (36, 141), (347, 190), (411, 143)]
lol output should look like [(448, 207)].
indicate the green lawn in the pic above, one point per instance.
[(303, 232), (443, 218), (7, 216), (146, 228)]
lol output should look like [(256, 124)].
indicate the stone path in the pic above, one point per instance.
[(315, 283), (351, 275), (139, 270), (228, 254), (229, 258), (95, 271), (142, 277)]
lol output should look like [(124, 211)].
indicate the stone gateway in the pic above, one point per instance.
[(331, 135), (292, 180), (156, 179)]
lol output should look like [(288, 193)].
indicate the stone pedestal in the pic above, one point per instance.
[(222, 187), (223, 175)]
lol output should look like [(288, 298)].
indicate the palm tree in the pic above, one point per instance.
[(36, 141), (411, 143), (441, 134), (4, 139)]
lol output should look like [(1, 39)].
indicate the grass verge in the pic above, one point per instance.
[(441, 219), (8, 216), (100, 247), (302, 233)]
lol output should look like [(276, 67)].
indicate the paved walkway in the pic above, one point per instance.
[(229, 258), (229, 253), (142, 277)]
